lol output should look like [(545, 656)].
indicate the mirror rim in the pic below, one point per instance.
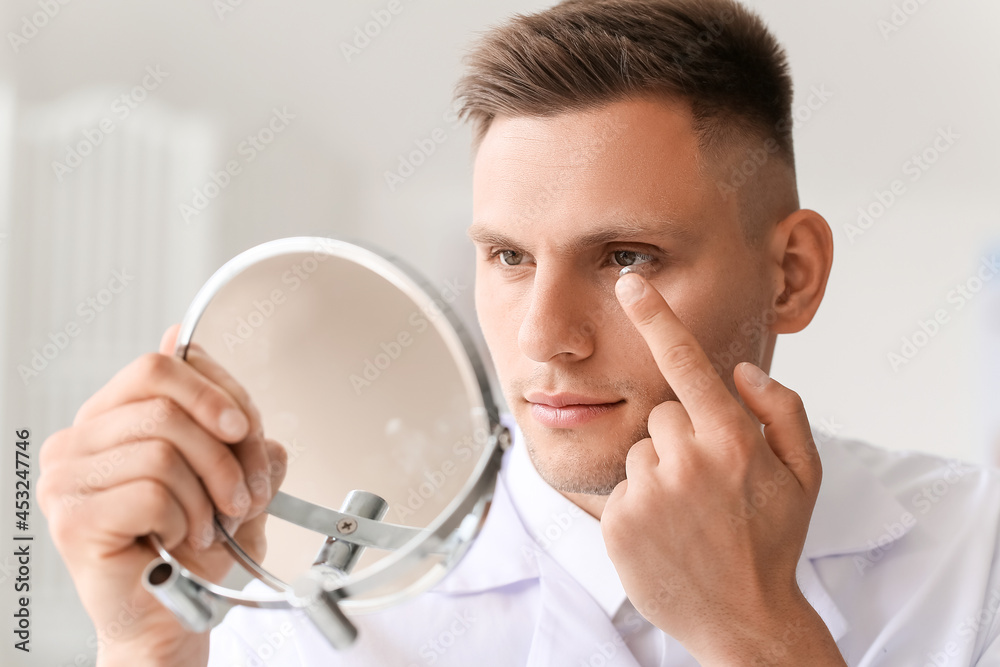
[(474, 497)]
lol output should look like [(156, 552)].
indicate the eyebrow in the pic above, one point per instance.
[(618, 230)]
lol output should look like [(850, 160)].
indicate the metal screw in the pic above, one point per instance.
[(504, 438), (347, 526)]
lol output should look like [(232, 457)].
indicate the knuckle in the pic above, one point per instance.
[(227, 472), (664, 412), (790, 402), (53, 447), (206, 394), (154, 366), (51, 481), (63, 528), (647, 317), (49, 485), (160, 455), (611, 531), (164, 409), (682, 357), (637, 452), (659, 413), (740, 460), (154, 498), (151, 419), (82, 411)]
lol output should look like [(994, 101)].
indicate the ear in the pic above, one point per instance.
[(801, 254)]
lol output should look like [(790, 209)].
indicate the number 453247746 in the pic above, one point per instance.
[(22, 469)]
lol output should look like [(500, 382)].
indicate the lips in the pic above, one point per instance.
[(566, 410), (565, 398)]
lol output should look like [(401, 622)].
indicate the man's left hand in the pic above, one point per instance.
[(709, 524)]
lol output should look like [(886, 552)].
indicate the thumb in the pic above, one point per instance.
[(169, 340), (786, 426)]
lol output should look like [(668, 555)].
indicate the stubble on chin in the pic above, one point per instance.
[(570, 468)]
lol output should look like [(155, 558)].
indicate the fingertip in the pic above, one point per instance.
[(169, 339), (754, 376), (630, 287), (234, 425)]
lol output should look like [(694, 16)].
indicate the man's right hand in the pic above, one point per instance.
[(156, 450)]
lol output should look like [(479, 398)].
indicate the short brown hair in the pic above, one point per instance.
[(716, 54)]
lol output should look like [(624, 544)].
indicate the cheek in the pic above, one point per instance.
[(495, 310)]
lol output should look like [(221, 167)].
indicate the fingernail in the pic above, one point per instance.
[(233, 423), (754, 375), (629, 288)]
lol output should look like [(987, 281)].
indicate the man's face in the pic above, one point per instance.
[(560, 205)]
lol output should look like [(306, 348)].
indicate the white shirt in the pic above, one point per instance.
[(901, 563)]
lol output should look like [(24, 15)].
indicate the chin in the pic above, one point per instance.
[(586, 460)]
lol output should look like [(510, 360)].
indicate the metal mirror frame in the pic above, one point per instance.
[(200, 604)]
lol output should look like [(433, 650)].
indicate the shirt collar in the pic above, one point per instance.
[(527, 516), (570, 536), (854, 511)]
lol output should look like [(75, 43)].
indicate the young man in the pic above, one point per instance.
[(686, 484)]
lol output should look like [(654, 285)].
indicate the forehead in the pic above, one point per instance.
[(633, 160)]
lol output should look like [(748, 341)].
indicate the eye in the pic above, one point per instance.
[(510, 257), (630, 257)]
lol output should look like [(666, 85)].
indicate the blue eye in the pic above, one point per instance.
[(631, 257)]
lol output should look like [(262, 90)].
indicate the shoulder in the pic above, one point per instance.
[(922, 483), (871, 497), (906, 544)]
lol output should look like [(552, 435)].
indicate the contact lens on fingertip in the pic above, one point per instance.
[(637, 269)]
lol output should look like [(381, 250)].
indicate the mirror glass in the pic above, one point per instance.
[(363, 375)]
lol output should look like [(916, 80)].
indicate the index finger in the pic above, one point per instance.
[(154, 375), (678, 355)]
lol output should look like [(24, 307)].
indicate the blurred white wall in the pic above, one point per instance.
[(879, 96)]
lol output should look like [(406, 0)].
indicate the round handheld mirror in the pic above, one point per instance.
[(382, 404)]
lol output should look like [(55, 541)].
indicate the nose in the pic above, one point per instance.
[(558, 322)]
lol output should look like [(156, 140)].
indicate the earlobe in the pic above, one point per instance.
[(802, 254)]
